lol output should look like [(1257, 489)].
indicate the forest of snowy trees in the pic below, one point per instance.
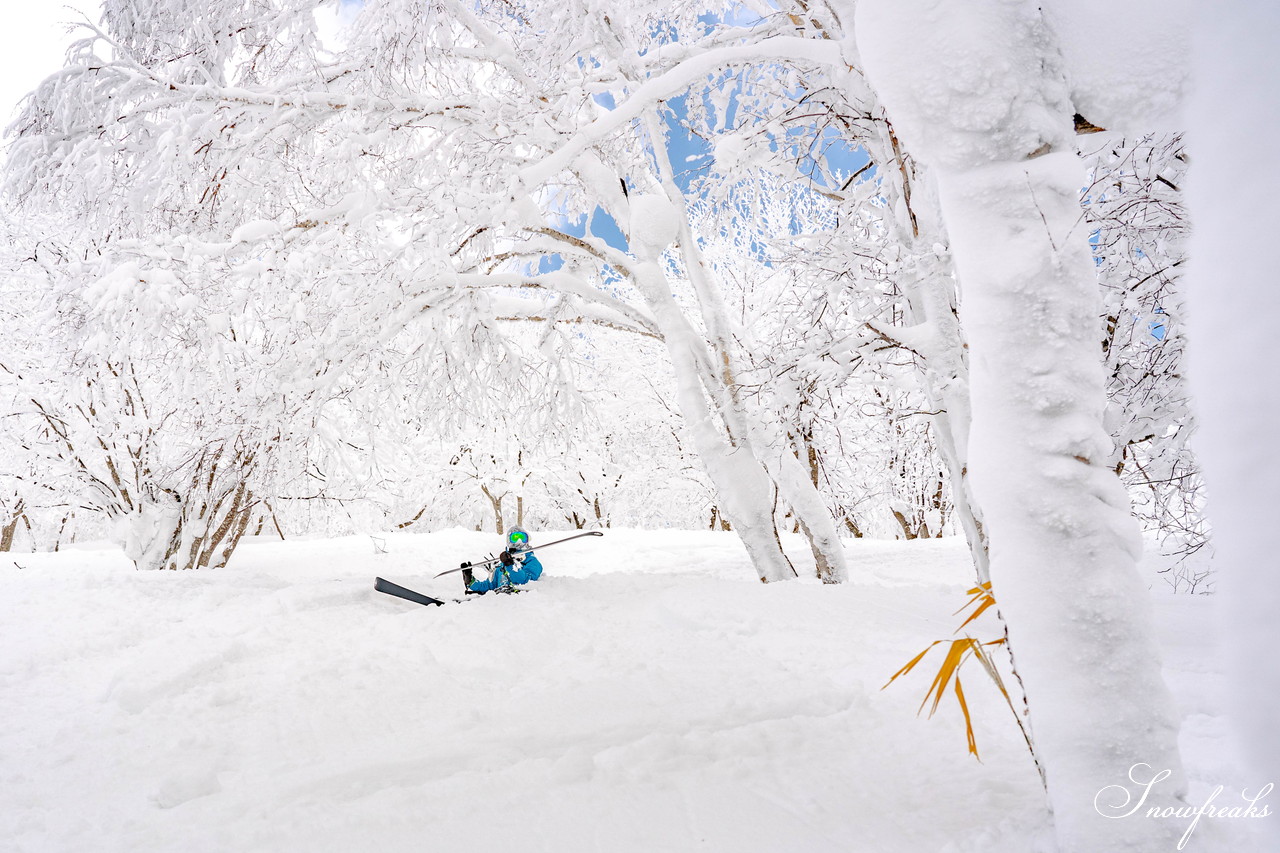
[(684, 273), (842, 268)]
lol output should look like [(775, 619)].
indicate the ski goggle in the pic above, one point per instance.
[(518, 537)]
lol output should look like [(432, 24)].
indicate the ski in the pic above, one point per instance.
[(383, 585), (492, 560)]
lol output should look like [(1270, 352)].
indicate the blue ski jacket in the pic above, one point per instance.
[(526, 568)]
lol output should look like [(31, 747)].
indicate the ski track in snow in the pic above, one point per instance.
[(647, 695)]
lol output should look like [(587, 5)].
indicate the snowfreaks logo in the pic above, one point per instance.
[(1116, 801)]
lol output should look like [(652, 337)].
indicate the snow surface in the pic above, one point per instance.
[(649, 694)]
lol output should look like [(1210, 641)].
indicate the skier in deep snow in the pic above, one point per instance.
[(518, 566)]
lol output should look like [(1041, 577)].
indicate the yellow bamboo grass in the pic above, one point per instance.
[(957, 653)]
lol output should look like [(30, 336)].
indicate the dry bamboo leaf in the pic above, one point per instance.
[(911, 663), (982, 608), (955, 657), (968, 722)]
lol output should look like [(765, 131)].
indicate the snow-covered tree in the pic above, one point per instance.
[(1234, 120), (980, 93), (286, 142)]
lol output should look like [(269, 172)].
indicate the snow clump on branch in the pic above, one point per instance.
[(655, 224)]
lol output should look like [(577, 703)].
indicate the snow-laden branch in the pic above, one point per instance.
[(673, 82), (562, 282), (152, 91), (176, 94), (590, 248), (921, 339), (513, 310), (593, 246)]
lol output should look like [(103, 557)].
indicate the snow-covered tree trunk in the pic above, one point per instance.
[(198, 531), (1234, 122), (750, 440), (9, 525), (787, 477), (927, 278), (936, 336), (745, 491), (495, 501), (926, 274), (977, 93)]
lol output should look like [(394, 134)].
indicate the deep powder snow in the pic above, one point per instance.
[(649, 694)]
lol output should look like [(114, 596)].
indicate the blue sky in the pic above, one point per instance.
[(690, 153)]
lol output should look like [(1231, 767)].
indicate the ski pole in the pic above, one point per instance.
[(482, 563)]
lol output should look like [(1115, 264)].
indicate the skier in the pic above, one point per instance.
[(517, 566)]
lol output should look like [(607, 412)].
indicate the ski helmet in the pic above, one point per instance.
[(517, 539)]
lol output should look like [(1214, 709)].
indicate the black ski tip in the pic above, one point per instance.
[(384, 585)]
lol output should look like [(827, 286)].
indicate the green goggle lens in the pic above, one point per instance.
[(518, 538)]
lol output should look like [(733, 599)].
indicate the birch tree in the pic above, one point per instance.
[(978, 94)]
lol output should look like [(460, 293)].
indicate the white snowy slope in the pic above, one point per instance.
[(647, 695)]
